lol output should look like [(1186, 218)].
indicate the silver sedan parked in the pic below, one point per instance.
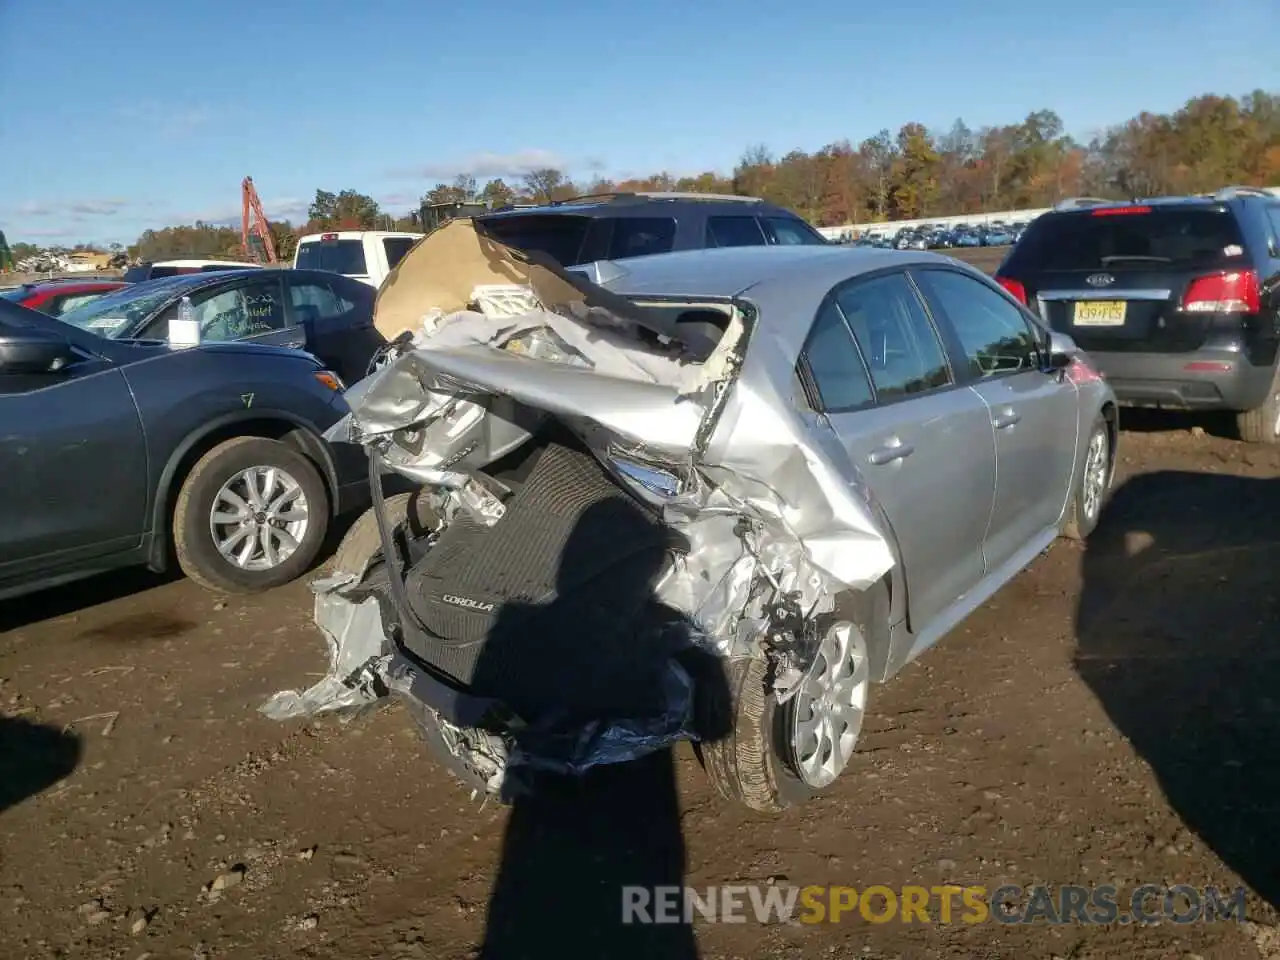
[(815, 460)]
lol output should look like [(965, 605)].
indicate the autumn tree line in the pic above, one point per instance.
[(1212, 141)]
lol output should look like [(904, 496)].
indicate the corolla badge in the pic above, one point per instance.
[(1100, 280)]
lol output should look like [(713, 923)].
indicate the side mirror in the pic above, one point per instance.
[(1062, 350), (34, 352)]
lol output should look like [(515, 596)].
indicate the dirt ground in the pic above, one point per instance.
[(1106, 718)]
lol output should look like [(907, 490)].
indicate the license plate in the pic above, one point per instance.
[(1099, 313)]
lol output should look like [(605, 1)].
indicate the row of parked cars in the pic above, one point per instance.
[(649, 441), (941, 236)]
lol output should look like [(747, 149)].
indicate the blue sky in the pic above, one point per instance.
[(117, 117)]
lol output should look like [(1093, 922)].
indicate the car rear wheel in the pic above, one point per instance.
[(252, 514), (777, 755), (1092, 486), (1262, 424)]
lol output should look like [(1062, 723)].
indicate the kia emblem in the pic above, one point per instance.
[(1100, 280)]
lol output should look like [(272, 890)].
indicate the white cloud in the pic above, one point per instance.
[(167, 120), (70, 209), (284, 208), (486, 166)]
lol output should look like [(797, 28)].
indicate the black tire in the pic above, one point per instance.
[(1262, 424), (193, 540), (1080, 523), (752, 764), (362, 542)]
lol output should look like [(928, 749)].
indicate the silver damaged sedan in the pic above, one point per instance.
[(715, 495)]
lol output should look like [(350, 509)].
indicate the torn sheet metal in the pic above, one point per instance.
[(357, 658)]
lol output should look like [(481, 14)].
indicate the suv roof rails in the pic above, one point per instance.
[(1230, 193), (654, 195), (1076, 203)]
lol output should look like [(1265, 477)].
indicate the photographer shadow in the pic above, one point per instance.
[(33, 757), (574, 842), (1177, 637)]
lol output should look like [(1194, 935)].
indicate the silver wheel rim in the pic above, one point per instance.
[(259, 518), (830, 706), (1095, 473)]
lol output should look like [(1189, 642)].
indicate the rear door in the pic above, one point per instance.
[(923, 443), (1113, 277), (1034, 414), (334, 319)]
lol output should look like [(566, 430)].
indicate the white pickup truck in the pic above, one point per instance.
[(365, 255)]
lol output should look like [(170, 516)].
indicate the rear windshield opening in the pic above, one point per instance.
[(559, 236), (336, 256), (698, 327), (1162, 239)]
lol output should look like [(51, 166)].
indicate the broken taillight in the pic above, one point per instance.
[(1231, 291)]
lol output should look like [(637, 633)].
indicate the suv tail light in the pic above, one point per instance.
[(1015, 287), (1233, 291)]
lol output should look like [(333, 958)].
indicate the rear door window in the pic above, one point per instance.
[(395, 249), (336, 256), (896, 336), (739, 231), (312, 300), (835, 364), (638, 236), (1273, 214), (789, 231), (559, 236), (1152, 238)]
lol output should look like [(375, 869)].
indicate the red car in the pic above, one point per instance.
[(58, 296)]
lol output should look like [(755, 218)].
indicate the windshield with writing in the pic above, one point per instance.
[(117, 314)]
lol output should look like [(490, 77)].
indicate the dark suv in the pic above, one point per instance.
[(122, 452), (1177, 299), (612, 226)]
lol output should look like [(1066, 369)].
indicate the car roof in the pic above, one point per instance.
[(74, 286), (199, 263), (619, 204), (731, 271)]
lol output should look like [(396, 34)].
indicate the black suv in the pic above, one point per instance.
[(1177, 299), (612, 226)]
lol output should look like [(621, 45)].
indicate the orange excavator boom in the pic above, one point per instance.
[(253, 223)]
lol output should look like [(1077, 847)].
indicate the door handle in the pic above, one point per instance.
[(895, 449), (1006, 418)]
